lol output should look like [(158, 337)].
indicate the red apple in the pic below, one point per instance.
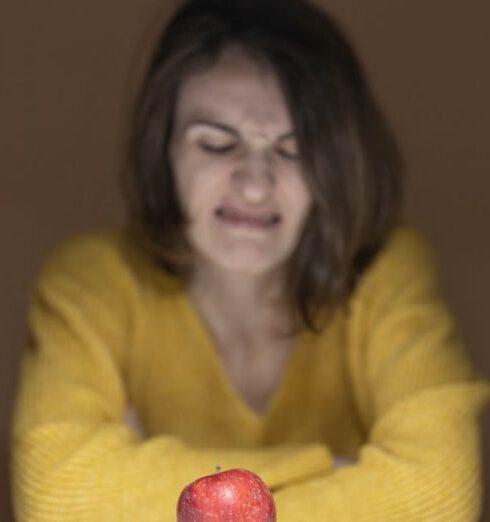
[(236, 495)]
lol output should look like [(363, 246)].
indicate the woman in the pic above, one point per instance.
[(266, 309)]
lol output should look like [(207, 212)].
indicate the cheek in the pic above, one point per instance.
[(297, 195), (199, 186), (184, 165)]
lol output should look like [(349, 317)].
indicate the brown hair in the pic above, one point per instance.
[(351, 162)]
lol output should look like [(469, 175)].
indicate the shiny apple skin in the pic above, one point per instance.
[(235, 495)]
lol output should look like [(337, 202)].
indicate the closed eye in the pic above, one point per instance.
[(217, 149), (287, 154)]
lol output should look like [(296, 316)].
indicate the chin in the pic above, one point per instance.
[(248, 269), (246, 257), (248, 264)]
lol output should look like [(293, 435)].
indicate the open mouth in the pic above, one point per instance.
[(247, 219)]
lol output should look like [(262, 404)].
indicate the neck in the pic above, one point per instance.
[(240, 304)]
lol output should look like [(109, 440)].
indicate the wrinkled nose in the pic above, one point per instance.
[(254, 179)]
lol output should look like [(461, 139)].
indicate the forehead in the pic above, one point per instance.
[(235, 90)]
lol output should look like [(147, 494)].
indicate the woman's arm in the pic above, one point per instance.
[(74, 458), (421, 401)]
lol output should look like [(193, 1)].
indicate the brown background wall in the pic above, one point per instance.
[(66, 73)]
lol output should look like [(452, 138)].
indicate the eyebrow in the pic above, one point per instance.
[(212, 123), (230, 130)]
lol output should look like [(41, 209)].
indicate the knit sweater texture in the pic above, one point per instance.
[(386, 385)]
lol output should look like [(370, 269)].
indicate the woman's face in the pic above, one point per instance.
[(235, 160)]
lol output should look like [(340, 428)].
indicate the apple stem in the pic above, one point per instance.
[(218, 468)]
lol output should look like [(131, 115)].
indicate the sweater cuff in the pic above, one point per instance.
[(300, 465)]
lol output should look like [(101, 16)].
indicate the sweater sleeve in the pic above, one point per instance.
[(73, 458), (420, 401)]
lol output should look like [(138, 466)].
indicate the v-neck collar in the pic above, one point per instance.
[(204, 342)]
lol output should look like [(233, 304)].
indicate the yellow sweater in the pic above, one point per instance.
[(387, 384)]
